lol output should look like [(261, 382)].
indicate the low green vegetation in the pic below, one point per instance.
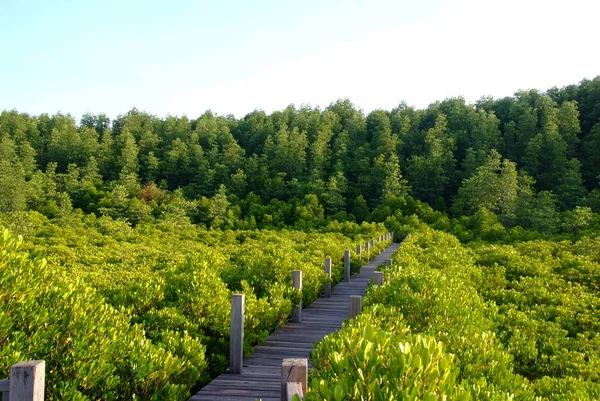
[(486, 322), (120, 312)]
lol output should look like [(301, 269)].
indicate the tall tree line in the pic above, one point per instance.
[(534, 148)]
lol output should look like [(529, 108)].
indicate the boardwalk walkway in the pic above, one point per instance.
[(261, 376)]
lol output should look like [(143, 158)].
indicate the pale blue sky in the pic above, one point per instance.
[(183, 57)]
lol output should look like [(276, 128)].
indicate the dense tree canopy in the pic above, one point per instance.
[(456, 156)]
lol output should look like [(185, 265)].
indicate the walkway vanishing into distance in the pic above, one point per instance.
[(261, 375)]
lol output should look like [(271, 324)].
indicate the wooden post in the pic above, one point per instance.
[(347, 265), (372, 243), (358, 249), (327, 292), (378, 278), (236, 336), (294, 371), (27, 381), (354, 306), (297, 283), (367, 250), (388, 262), (4, 389)]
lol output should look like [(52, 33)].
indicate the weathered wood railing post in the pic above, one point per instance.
[(355, 305), (367, 250), (26, 382), (358, 253), (347, 265), (294, 378), (388, 262), (236, 338), (327, 292), (297, 283), (378, 278), (4, 389)]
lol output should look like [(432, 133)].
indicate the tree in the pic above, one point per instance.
[(286, 152), (576, 220), (391, 184), (494, 187), (239, 183), (360, 209), (176, 165), (431, 173), (66, 145), (334, 197), (98, 122), (127, 151), (570, 187), (379, 133), (546, 158), (568, 126), (538, 212), (592, 156), (218, 206), (12, 178), (319, 152), (310, 211)]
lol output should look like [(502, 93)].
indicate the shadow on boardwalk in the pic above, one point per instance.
[(261, 376)]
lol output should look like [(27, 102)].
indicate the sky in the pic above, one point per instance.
[(232, 57)]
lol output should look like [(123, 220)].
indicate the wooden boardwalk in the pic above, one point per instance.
[(261, 376)]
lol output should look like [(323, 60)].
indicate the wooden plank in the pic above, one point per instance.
[(240, 392), (237, 382), (273, 348), (245, 385), (211, 397)]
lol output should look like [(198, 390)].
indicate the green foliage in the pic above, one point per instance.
[(156, 297), (511, 322), (494, 186), (363, 362), (432, 285), (46, 315), (548, 302)]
